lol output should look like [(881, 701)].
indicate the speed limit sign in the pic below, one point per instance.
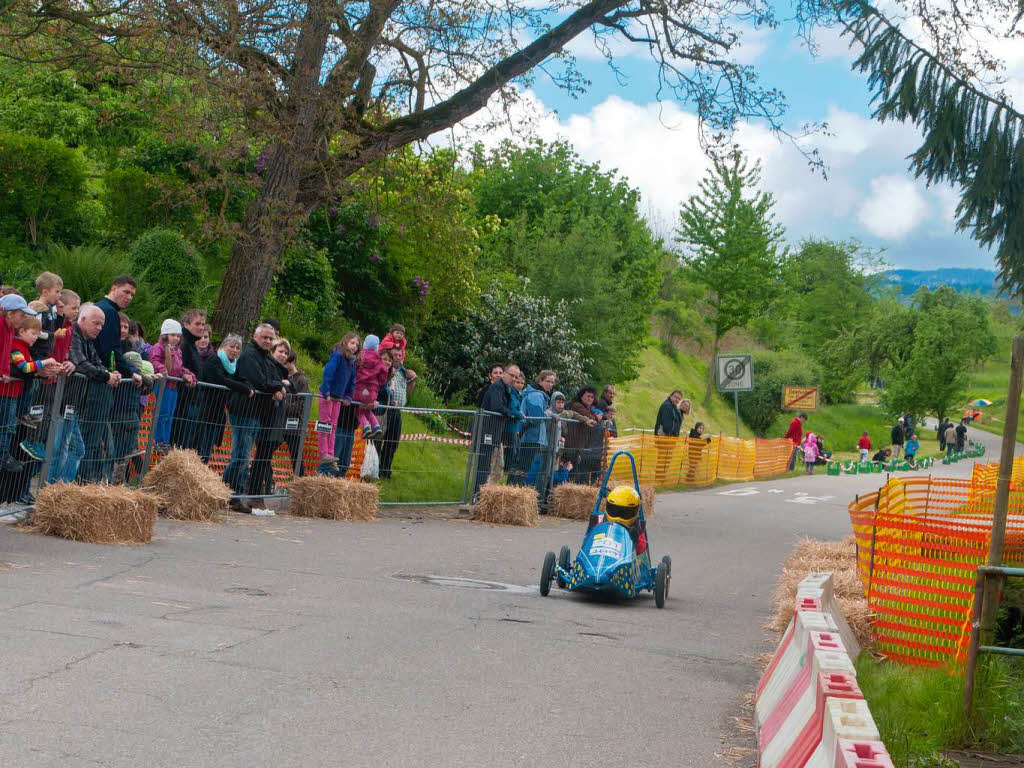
[(734, 373)]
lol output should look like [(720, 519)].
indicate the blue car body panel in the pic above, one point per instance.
[(608, 562)]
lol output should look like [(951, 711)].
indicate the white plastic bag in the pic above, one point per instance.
[(371, 463)]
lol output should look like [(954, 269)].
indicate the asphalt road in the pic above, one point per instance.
[(286, 642)]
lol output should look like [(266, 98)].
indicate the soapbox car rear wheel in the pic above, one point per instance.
[(547, 572), (661, 581), (564, 560)]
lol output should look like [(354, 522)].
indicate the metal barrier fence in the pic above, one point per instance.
[(73, 428), (920, 541)]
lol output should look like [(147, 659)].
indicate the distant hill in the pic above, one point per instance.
[(982, 281)]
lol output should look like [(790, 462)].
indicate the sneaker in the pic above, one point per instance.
[(28, 421), (36, 451), (329, 461), (377, 431), (162, 449), (27, 498), (9, 464), (367, 432)]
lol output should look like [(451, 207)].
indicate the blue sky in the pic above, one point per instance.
[(869, 194)]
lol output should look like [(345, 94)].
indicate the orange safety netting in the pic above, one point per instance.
[(669, 462), (919, 543)]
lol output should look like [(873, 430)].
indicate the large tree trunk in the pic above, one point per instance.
[(273, 217), (711, 372), (257, 251)]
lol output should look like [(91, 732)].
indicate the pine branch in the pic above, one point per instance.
[(971, 139)]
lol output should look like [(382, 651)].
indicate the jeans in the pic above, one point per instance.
[(68, 450), (950, 448), (483, 461), (344, 440), (95, 416), (387, 444), (243, 433), (206, 435), (185, 425), (8, 422), (166, 417)]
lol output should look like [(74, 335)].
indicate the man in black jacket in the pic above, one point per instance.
[(69, 445), (247, 415), (186, 412), (896, 437), (670, 419), (99, 446), (494, 410)]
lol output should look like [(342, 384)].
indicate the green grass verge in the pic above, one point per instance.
[(842, 425), (919, 711), (425, 471), (638, 401)]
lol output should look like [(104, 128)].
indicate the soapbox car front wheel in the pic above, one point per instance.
[(661, 580), (564, 560), (547, 572)]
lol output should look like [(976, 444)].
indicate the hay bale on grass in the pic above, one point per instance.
[(506, 505), (187, 488), (100, 514), (573, 501), (333, 498), (839, 557), (576, 502)]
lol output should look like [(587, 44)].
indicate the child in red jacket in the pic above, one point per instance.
[(22, 369), (371, 375), (865, 446)]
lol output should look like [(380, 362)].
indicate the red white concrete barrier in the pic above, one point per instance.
[(809, 711)]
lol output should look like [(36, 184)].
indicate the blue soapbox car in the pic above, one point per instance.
[(607, 561)]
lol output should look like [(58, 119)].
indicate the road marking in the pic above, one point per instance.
[(740, 492), (803, 498)]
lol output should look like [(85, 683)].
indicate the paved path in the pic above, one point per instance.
[(285, 642)]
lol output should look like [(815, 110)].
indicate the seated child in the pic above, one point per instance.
[(561, 474), (623, 507)]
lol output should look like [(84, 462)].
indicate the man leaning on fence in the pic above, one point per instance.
[(184, 426), (248, 413), (97, 406), (494, 409)]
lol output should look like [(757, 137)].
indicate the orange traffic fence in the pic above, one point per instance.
[(919, 543), (671, 462)]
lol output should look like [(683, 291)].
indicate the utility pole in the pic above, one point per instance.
[(989, 602)]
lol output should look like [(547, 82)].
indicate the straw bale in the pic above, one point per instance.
[(333, 498), (839, 557), (649, 497), (101, 514), (187, 488), (506, 505), (573, 501)]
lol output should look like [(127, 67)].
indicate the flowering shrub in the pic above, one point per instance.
[(506, 326)]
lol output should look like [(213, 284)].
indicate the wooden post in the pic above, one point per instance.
[(989, 602)]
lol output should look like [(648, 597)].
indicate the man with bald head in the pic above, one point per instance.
[(495, 409), (69, 445)]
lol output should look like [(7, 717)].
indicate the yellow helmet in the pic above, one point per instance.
[(623, 505)]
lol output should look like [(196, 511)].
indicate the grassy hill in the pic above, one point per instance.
[(638, 401)]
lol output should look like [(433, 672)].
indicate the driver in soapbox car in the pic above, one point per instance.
[(623, 507)]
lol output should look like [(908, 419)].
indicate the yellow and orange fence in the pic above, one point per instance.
[(671, 462), (919, 543)]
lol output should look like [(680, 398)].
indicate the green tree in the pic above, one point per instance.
[(951, 332), (772, 371), (575, 232), (42, 189), (171, 267), (734, 248)]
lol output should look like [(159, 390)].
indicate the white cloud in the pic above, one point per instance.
[(894, 207)]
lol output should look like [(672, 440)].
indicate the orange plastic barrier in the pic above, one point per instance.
[(919, 542), (672, 462)]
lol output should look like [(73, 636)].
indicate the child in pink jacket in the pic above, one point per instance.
[(371, 375), (167, 360)]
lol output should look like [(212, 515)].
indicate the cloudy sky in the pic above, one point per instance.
[(868, 194)]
